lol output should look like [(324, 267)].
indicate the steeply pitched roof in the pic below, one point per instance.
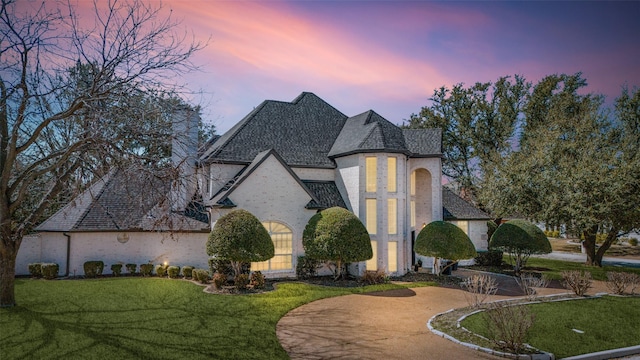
[(126, 200), (221, 198), (326, 192), (302, 132), (370, 132), (456, 208)]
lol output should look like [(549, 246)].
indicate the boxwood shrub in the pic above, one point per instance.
[(241, 281), (257, 280), (161, 270), (35, 269), (187, 271), (50, 270), (93, 268), (131, 268), (146, 269), (116, 269), (201, 275), (173, 271)]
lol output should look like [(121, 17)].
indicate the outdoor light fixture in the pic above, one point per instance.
[(123, 238)]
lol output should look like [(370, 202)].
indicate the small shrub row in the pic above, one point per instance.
[(35, 270), (371, 277), (200, 275), (489, 258), (307, 267), (116, 269), (93, 268), (50, 271), (552, 233), (161, 270)]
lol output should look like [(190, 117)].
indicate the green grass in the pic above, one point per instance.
[(142, 318), (608, 323), (557, 266)]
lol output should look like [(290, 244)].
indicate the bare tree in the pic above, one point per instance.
[(75, 101)]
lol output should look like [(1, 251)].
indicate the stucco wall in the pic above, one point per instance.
[(180, 249), (315, 174), (219, 175), (478, 234), (348, 181)]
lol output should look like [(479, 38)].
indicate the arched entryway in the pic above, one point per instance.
[(282, 238), (421, 199)]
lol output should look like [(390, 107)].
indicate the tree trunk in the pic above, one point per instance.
[(590, 245), (338, 270), (8, 253), (611, 238)]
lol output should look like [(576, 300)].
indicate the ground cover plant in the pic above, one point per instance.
[(150, 318), (569, 328)]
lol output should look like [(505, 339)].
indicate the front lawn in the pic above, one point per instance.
[(148, 318), (606, 323)]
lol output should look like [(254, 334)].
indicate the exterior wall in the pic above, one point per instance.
[(478, 234), (180, 249), (348, 181), (315, 174), (219, 175), (271, 194)]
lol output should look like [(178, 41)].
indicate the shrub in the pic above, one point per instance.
[(520, 239), (336, 235), (131, 268), (633, 241), (35, 270), (116, 269), (372, 277), (224, 267), (257, 280), (529, 282), (173, 272), (219, 280), (307, 267), (618, 282), (444, 240), (489, 258), (186, 271), (241, 281), (93, 268), (200, 275), (509, 325), (161, 270), (480, 287), (146, 269), (240, 237), (50, 271), (577, 281)]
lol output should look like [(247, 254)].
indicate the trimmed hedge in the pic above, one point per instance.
[(50, 270), (444, 240), (187, 271), (173, 272), (116, 269), (520, 236), (93, 269), (200, 275), (489, 258), (146, 269), (35, 269), (161, 270), (131, 268)]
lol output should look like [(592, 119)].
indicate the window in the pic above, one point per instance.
[(371, 216), (392, 253), (371, 173), (391, 174), (413, 213), (282, 238), (392, 216), (372, 264), (413, 183), (464, 225)]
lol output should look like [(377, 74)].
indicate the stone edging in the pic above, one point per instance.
[(601, 355)]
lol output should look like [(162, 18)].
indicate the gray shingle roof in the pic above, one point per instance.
[(302, 132), (326, 192), (423, 142), (456, 208), (126, 200)]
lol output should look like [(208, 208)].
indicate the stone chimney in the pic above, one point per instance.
[(184, 153)]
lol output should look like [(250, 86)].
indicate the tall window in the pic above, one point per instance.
[(371, 216), (392, 254), (371, 173), (413, 183), (392, 216), (413, 213), (392, 174), (372, 264), (282, 238)]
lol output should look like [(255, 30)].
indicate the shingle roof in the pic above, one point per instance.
[(456, 208), (302, 132), (423, 142), (326, 192), (126, 200)]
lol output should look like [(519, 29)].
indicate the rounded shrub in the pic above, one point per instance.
[(173, 271), (35, 269), (161, 270), (131, 268), (257, 280), (241, 281), (146, 269), (50, 271), (187, 271), (93, 268), (219, 280), (520, 239), (444, 240), (336, 235), (240, 237), (116, 269)]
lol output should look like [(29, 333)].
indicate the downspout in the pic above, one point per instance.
[(66, 274)]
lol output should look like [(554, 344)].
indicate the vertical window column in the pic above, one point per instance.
[(371, 174)]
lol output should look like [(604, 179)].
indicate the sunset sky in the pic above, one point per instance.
[(389, 56)]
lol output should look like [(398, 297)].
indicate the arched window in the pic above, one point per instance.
[(282, 238)]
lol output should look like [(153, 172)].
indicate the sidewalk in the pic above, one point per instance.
[(576, 257)]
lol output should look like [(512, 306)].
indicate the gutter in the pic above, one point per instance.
[(66, 274)]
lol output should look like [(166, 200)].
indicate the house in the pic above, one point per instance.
[(283, 162)]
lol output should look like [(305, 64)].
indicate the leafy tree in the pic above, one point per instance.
[(443, 240), (577, 164), (240, 237), (336, 235), (54, 127), (478, 124), (520, 239)]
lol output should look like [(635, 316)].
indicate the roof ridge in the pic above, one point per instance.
[(373, 128), (111, 175)]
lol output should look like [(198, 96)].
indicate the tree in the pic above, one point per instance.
[(443, 240), (478, 124), (336, 235), (577, 165), (55, 78), (520, 239), (240, 237)]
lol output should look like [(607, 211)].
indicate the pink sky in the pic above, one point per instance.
[(389, 56)]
